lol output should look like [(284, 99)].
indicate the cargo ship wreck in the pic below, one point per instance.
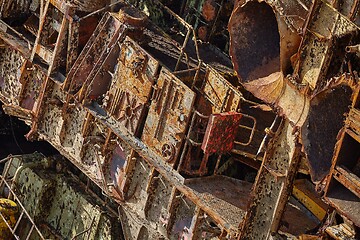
[(191, 119)]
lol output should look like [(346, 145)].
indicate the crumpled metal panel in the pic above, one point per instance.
[(262, 46), (168, 117)]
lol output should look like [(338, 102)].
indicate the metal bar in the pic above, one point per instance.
[(58, 45), (217, 164), (215, 20), (30, 232), (72, 48), (268, 135), (352, 13), (348, 179), (18, 222), (39, 109), (252, 130), (101, 9), (182, 157), (86, 230), (287, 187), (204, 161), (10, 157), (2, 8), (250, 102), (197, 144), (186, 70), (41, 9), (5, 25), (165, 108), (224, 101), (63, 6), (269, 196), (189, 28), (102, 174), (183, 49), (353, 49), (196, 74), (41, 26), (6, 171)]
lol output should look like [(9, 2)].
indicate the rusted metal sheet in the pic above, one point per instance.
[(168, 117), (220, 133), (265, 60), (353, 122), (131, 87), (271, 53), (214, 188), (319, 139)]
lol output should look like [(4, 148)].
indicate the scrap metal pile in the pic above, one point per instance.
[(196, 119)]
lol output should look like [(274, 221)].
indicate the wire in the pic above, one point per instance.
[(14, 137)]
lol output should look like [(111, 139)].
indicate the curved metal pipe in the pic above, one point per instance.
[(263, 37)]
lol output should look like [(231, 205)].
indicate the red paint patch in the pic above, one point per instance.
[(220, 132)]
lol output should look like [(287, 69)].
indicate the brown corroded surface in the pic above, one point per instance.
[(131, 105)]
